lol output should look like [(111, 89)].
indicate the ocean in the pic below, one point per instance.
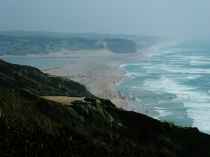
[(172, 84)]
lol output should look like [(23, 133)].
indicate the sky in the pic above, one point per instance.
[(176, 18)]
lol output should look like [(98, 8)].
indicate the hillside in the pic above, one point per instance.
[(35, 82), (33, 125)]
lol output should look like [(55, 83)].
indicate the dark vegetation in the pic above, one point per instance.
[(32, 126), (35, 82)]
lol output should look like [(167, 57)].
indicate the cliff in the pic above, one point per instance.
[(32, 125)]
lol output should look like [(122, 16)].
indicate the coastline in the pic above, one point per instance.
[(103, 73), (100, 73), (102, 84)]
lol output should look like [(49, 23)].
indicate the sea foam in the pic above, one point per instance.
[(171, 82)]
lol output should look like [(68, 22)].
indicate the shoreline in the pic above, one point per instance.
[(100, 71), (103, 84), (101, 74)]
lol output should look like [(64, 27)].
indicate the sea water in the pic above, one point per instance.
[(172, 84)]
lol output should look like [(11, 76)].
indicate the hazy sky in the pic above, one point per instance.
[(159, 17)]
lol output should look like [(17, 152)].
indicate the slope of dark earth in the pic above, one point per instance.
[(33, 126)]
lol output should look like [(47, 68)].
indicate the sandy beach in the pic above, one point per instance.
[(99, 71)]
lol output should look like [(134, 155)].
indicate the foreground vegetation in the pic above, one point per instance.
[(31, 125)]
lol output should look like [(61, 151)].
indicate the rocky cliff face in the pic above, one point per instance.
[(33, 126)]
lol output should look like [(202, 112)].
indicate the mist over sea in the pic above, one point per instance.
[(172, 84)]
